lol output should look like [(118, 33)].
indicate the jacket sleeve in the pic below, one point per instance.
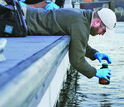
[(90, 52), (77, 49)]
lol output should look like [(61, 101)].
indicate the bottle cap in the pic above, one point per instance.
[(104, 63)]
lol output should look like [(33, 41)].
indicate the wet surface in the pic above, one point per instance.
[(80, 91)]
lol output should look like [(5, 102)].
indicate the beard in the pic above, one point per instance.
[(94, 31)]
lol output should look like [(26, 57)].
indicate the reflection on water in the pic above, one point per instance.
[(79, 91)]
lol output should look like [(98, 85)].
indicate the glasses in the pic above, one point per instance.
[(103, 27)]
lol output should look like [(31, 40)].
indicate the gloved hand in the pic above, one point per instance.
[(103, 56), (22, 4), (103, 73), (51, 6)]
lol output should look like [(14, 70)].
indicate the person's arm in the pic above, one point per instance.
[(38, 5), (90, 52), (77, 49), (33, 1), (46, 4)]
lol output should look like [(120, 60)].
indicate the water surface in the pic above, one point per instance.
[(79, 91)]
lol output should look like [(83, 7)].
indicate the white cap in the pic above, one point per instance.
[(108, 17)]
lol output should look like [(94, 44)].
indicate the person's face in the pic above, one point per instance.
[(97, 27)]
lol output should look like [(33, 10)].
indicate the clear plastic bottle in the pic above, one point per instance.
[(103, 81)]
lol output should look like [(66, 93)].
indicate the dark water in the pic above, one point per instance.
[(79, 91)]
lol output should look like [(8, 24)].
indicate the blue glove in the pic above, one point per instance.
[(103, 56), (22, 4), (103, 73), (22, 1), (51, 6)]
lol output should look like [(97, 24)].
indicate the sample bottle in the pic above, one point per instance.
[(103, 81)]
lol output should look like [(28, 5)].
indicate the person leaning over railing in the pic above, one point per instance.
[(79, 24)]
